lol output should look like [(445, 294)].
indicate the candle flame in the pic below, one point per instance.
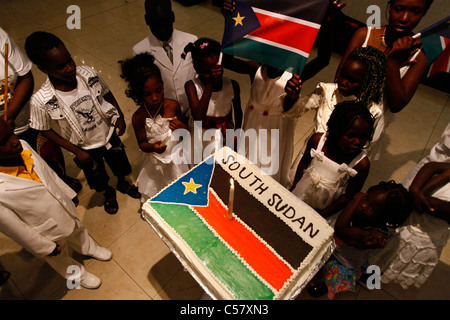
[(231, 181)]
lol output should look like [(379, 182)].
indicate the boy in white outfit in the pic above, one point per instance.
[(166, 44), (38, 210)]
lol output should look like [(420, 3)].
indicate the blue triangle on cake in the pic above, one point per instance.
[(191, 189)]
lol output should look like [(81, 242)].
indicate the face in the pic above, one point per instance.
[(404, 15), (205, 66), (153, 92), (10, 146), (355, 138), (351, 77), (160, 22), (370, 208), (59, 64)]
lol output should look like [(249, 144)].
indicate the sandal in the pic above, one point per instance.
[(4, 276), (131, 190), (111, 206)]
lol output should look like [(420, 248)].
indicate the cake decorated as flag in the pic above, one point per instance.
[(269, 248)]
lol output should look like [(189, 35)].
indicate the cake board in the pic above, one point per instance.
[(271, 247)]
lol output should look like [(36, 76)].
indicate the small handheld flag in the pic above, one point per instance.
[(288, 29)]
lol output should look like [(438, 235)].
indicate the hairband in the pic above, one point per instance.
[(203, 45)]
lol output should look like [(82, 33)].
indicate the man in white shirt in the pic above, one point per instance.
[(175, 71)]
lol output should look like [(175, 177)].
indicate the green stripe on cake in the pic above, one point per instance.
[(222, 262)]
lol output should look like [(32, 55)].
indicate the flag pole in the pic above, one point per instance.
[(6, 82), (431, 27)]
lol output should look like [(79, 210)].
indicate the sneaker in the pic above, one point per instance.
[(102, 254), (90, 281)]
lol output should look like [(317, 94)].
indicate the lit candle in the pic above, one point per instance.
[(167, 139), (220, 59), (231, 200)]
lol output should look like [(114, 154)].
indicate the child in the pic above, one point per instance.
[(160, 19), (39, 209), (272, 94), (151, 123), (91, 121), (361, 78), (334, 165), (360, 228), (405, 64), (212, 97), (414, 249)]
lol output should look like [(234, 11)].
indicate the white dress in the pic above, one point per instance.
[(413, 250), (324, 180), (158, 170), (219, 116), (324, 99), (271, 150)]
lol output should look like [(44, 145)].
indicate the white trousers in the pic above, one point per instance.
[(81, 242)]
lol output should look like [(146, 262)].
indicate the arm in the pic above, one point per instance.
[(22, 93), (355, 236), (430, 177), (399, 90), (12, 226), (354, 186), (306, 159), (237, 105), (81, 154), (120, 123), (292, 89)]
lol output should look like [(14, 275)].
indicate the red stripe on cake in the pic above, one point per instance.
[(255, 253)]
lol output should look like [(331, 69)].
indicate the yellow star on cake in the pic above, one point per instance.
[(191, 186), (238, 20)]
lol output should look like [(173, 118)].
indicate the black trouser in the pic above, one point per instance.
[(115, 157)]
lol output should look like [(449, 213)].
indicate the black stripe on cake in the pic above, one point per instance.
[(277, 234)]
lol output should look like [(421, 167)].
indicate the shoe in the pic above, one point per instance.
[(126, 188), (90, 281), (102, 254), (111, 206)]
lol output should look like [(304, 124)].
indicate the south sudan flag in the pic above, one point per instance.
[(255, 254), (278, 33)]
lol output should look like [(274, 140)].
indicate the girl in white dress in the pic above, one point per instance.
[(361, 78), (334, 166), (214, 99), (152, 122)]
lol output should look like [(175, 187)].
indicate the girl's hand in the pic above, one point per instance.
[(176, 124), (293, 87), (374, 238), (421, 202), (120, 126), (158, 148), (402, 49), (216, 77)]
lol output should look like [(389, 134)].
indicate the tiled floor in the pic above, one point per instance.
[(142, 266)]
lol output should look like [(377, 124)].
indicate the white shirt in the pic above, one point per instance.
[(18, 66)]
